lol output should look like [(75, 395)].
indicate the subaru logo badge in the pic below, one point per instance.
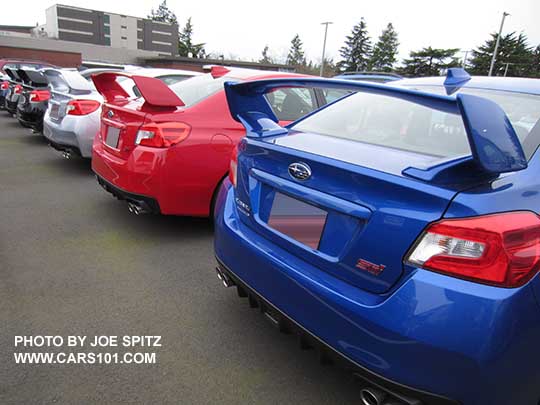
[(299, 171), (110, 114)]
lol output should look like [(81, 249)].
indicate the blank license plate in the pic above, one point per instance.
[(55, 108), (301, 221), (112, 137)]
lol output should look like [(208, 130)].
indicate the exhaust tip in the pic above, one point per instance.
[(224, 278), (372, 396), (66, 155), (136, 208)]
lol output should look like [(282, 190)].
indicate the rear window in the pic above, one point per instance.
[(395, 123), (289, 104), (198, 88), (391, 122)]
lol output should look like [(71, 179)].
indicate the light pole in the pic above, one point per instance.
[(324, 44), (505, 14)]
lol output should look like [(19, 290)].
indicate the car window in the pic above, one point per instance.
[(391, 122), (198, 88), (331, 95), (172, 79), (289, 104), (523, 111)]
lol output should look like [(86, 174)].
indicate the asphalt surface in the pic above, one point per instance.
[(74, 261)]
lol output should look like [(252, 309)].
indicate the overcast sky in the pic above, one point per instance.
[(242, 28)]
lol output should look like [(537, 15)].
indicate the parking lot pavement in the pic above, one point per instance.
[(74, 261)]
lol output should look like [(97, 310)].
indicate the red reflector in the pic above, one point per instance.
[(17, 89), (4, 85), (82, 107), (37, 96), (499, 249)]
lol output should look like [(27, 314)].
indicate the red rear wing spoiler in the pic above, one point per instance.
[(153, 90)]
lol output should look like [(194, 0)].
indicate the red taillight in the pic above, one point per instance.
[(163, 134), (82, 107), (499, 249), (17, 89), (233, 166), (37, 96), (4, 85)]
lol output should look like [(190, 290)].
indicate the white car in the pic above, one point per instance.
[(73, 115)]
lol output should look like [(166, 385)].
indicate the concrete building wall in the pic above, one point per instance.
[(90, 52)]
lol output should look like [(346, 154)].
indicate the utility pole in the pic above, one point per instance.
[(506, 68), (505, 14), (324, 44), (464, 63)]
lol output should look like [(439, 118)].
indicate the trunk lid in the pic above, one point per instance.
[(353, 221)]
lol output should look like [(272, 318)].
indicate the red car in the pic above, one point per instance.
[(168, 150)]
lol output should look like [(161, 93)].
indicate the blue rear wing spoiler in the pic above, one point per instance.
[(492, 139)]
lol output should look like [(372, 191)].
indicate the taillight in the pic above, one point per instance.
[(37, 96), (499, 249), (17, 89), (82, 107), (163, 134), (233, 166), (4, 85)]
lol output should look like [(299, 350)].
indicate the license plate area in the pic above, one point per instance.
[(55, 109), (298, 220), (113, 134)]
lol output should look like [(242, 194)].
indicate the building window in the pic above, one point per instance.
[(106, 19), (123, 38), (123, 27), (107, 41), (107, 30)]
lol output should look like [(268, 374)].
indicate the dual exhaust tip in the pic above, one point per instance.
[(224, 278), (67, 154), (136, 209)]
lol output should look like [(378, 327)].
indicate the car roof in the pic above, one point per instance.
[(157, 72), (510, 84)]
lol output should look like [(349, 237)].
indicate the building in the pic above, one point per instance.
[(202, 65), (87, 26)]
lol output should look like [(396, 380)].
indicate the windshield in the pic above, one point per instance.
[(395, 123)]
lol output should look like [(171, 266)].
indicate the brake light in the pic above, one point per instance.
[(37, 96), (499, 249), (233, 166), (162, 135), (82, 107), (4, 85), (17, 89)]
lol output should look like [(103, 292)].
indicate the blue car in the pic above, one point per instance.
[(396, 231)]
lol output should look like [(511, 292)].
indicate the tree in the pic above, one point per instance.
[(296, 55), (429, 62), (385, 50), (514, 50), (186, 47), (163, 14), (356, 52), (265, 57), (535, 66)]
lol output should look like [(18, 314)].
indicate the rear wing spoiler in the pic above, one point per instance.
[(153, 90), (492, 139), (13, 76), (67, 81), (32, 78)]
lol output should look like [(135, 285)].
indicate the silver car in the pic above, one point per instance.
[(72, 118)]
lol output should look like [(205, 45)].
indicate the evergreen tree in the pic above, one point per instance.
[(163, 14), (186, 45), (265, 57), (429, 62), (535, 66), (296, 55), (513, 50), (385, 50), (356, 52)]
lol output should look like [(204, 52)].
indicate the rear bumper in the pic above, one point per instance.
[(32, 118), (73, 133), (147, 203), (434, 333), (11, 106)]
